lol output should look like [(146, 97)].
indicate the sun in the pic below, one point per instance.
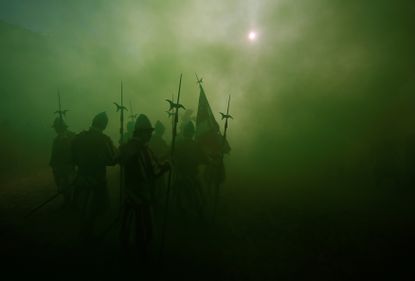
[(252, 35)]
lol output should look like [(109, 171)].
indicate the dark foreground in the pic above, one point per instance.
[(263, 232)]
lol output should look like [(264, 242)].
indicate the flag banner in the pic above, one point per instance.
[(207, 128)]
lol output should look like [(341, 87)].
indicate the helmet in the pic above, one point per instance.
[(130, 126), (100, 120), (143, 123), (159, 128)]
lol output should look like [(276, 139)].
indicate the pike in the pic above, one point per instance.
[(121, 108), (60, 111), (170, 113), (226, 117), (56, 195), (50, 199), (176, 106)]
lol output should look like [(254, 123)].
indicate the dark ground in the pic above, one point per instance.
[(260, 234)]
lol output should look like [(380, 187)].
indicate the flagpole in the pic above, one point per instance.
[(225, 129)]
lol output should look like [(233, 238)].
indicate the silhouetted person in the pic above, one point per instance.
[(186, 117), (130, 131), (157, 144), (141, 170), (61, 160), (162, 152), (92, 152), (188, 158), (215, 173)]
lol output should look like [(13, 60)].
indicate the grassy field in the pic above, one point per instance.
[(263, 232)]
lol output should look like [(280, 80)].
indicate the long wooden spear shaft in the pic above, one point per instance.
[(226, 117), (176, 106), (121, 108), (50, 199), (121, 142), (54, 196), (60, 111)]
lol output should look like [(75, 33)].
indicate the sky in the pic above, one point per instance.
[(323, 83)]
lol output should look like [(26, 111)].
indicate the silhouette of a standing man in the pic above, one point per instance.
[(92, 151), (61, 160), (141, 171)]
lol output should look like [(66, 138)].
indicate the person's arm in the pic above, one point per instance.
[(159, 168), (111, 153)]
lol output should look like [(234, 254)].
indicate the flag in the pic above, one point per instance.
[(207, 128)]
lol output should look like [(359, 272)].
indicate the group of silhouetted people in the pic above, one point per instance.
[(79, 164)]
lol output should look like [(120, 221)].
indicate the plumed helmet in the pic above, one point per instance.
[(58, 123), (100, 120), (142, 123)]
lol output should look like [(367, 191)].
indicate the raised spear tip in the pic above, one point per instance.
[(171, 104), (225, 116), (229, 104), (170, 113), (120, 107), (174, 105)]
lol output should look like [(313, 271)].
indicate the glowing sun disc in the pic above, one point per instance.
[(252, 35)]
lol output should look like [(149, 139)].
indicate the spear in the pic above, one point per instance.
[(50, 199), (170, 113), (60, 111), (121, 108), (53, 197), (226, 117), (173, 106)]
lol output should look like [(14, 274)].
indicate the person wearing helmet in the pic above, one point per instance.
[(188, 159), (92, 152), (162, 152), (141, 169), (157, 143), (61, 160), (130, 131)]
